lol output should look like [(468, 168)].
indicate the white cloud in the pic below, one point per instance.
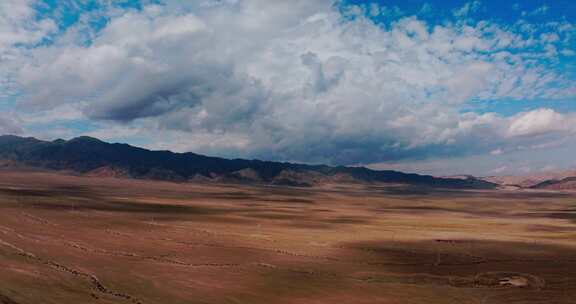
[(9, 124), (500, 170), (19, 28), (294, 81), (468, 8), (540, 10), (19, 25), (541, 122), (62, 113), (497, 152)]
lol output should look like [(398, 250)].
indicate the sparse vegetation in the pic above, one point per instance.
[(66, 239)]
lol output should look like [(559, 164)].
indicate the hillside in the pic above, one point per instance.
[(568, 183), (530, 180), (90, 156)]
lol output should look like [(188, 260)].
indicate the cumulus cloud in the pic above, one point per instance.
[(299, 81), (541, 122)]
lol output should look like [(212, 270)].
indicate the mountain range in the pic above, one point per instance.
[(549, 180), (93, 157)]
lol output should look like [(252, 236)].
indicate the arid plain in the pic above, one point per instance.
[(67, 239)]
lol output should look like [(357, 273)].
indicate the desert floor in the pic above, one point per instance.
[(67, 239)]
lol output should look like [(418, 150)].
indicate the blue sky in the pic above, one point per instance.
[(423, 86), (504, 13)]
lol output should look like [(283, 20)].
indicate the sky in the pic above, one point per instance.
[(437, 87)]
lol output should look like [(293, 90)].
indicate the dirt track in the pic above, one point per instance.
[(87, 240)]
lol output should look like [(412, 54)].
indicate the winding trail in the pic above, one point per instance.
[(95, 282)]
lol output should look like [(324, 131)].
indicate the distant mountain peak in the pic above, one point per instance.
[(86, 139), (91, 156)]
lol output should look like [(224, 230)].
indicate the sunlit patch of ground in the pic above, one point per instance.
[(70, 239)]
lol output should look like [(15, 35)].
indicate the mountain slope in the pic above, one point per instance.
[(568, 183), (530, 180), (91, 156)]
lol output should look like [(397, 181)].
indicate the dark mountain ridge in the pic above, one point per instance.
[(86, 155)]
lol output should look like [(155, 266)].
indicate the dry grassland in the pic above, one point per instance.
[(67, 239)]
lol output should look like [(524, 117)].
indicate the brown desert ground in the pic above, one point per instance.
[(66, 239)]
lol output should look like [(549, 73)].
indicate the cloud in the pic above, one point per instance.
[(9, 124), (540, 10), (541, 122), (18, 24), (500, 170), (19, 28), (468, 8), (298, 81), (496, 152), (63, 113)]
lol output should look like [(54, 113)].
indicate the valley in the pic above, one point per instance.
[(77, 239)]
